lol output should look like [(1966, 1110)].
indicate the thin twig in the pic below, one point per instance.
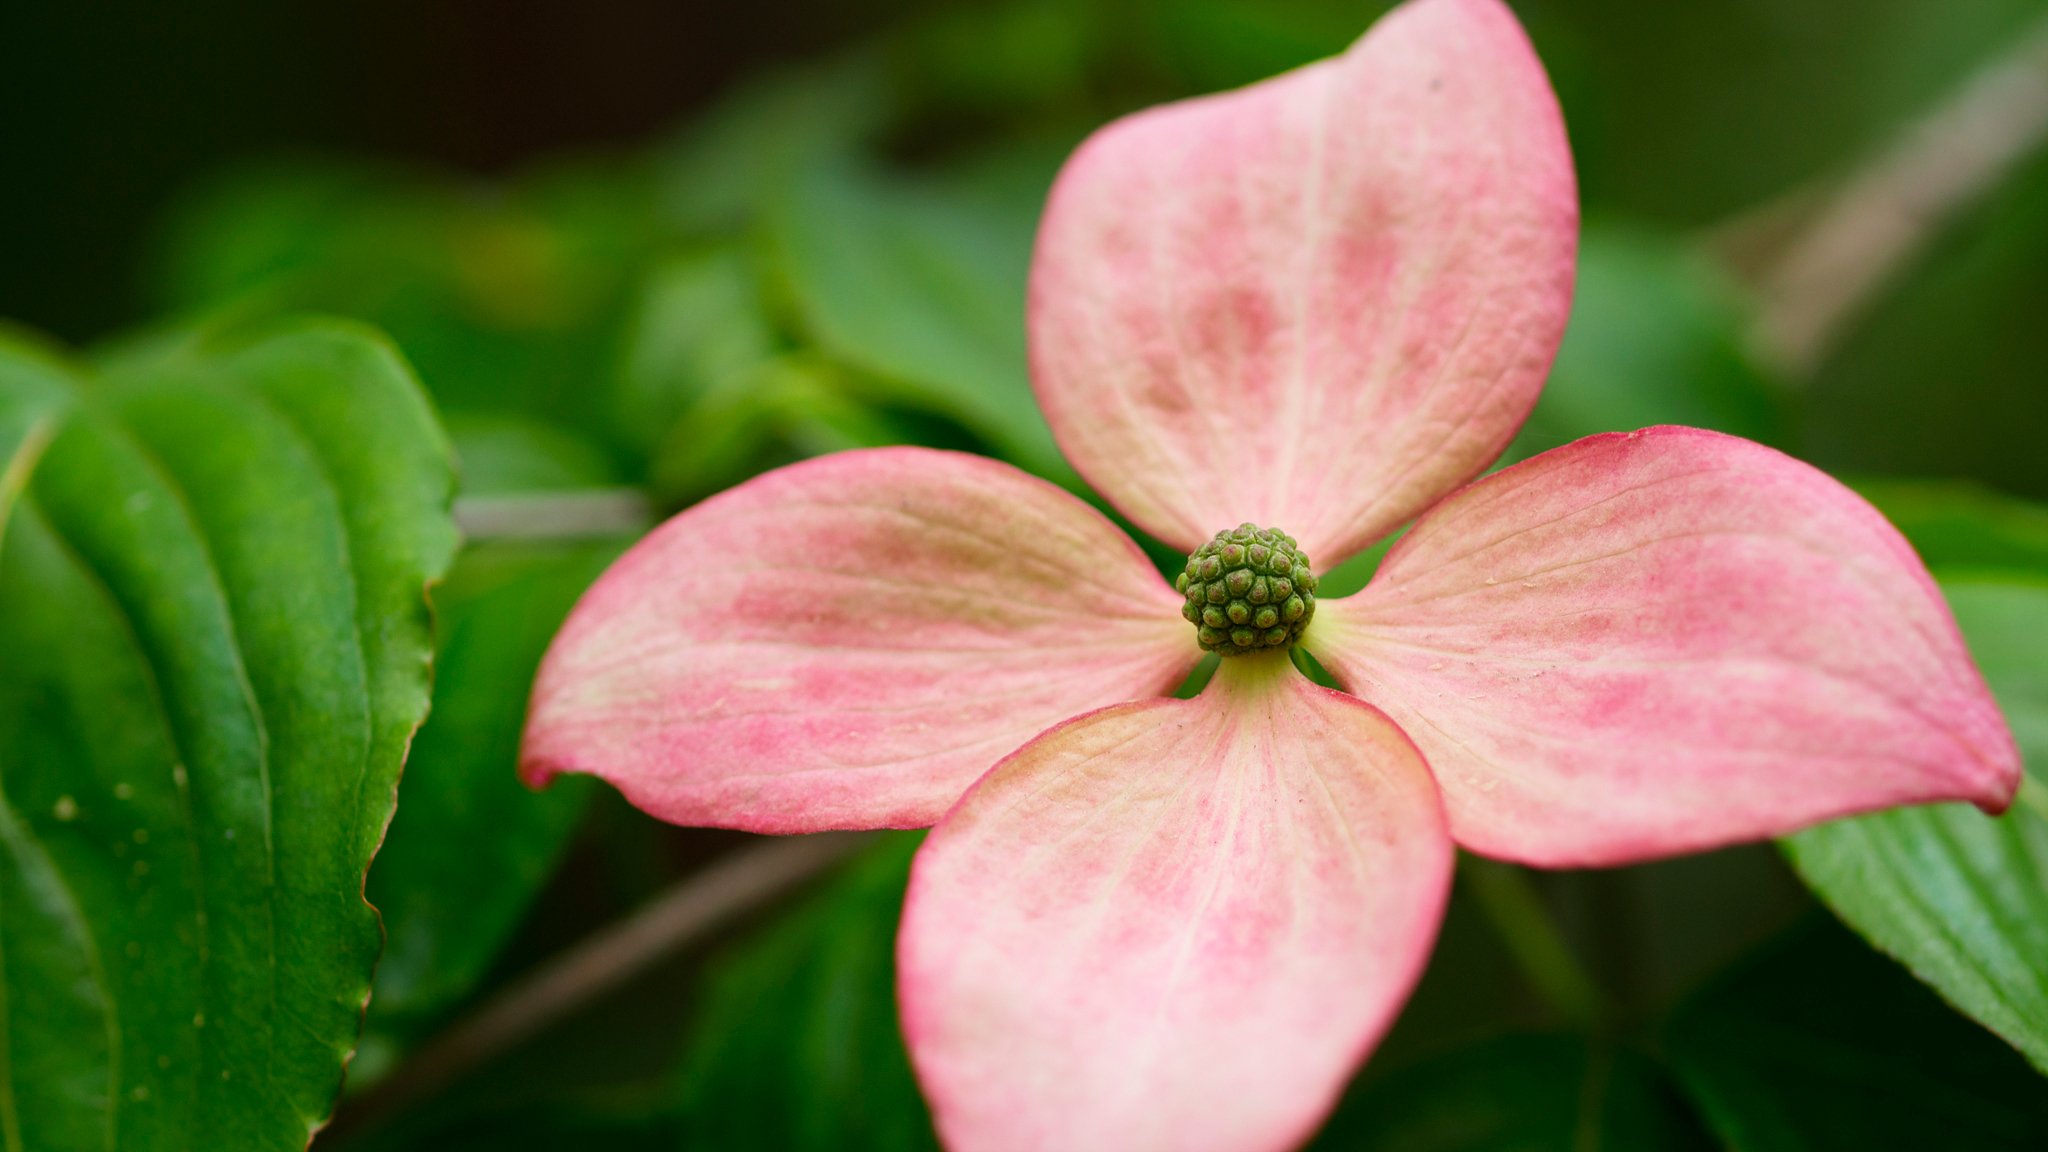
[(554, 515), (745, 880), (1886, 213)]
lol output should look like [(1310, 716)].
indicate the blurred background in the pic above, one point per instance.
[(638, 251)]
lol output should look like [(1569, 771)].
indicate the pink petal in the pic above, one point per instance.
[(849, 643), (1318, 303), (1174, 924), (1655, 642)]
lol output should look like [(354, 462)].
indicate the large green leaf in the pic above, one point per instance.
[(1959, 897), (921, 291), (798, 1046), (1820, 1045), (212, 605), (1519, 1093)]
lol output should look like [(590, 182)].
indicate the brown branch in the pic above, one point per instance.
[(600, 964), (1876, 223)]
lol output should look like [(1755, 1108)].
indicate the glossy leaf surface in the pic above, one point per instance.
[(1959, 897), (212, 605)]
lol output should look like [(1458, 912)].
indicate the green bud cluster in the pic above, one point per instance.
[(1248, 590)]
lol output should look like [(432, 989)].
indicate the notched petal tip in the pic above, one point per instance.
[(1656, 642), (1319, 302), (848, 643)]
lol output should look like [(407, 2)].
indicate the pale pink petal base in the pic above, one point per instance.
[(849, 643), (1172, 926), (1318, 303), (1651, 643)]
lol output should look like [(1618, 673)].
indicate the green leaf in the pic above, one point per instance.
[(787, 409), (212, 604), (1960, 527), (1959, 897), (502, 453), (1655, 338), (698, 326), (920, 291), (798, 1046), (714, 175), (1521, 1093), (508, 299), (1820, 1045)]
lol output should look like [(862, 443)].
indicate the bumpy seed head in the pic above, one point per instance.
[(1248, 590)]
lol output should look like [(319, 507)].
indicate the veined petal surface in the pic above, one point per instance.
[(1655, 642), (1320, 302), (849, 642), (1172, 925)]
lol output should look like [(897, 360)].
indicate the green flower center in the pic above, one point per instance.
[(1248, 590)]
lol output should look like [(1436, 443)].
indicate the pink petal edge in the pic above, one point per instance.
[(1173, 925), (849, 642), (1651, 643), (1318, 303)]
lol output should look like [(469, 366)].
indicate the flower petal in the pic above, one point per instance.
[(1318, 303), (1174, 924), (1655, 642), (849, 642)]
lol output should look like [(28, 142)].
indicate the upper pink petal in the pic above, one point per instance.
[(1174, 925), (849, 642), (1655, 642), (1318, 303)]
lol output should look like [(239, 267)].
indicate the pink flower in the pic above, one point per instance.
[(1320, 304)]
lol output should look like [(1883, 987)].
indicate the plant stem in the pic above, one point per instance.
[(684, 914), (1525, 925), (1880, 219)]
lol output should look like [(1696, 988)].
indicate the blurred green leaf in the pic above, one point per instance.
[(798, 1046), (787, 409), (699, 326), (999, 59), (212, 605), (1522, 1093), (500, 453), (506, 297), (1216, 44), (922, 292), (1959, 897), (1960, 527), (1655, 338), (715, 173), (1820, 1045)]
